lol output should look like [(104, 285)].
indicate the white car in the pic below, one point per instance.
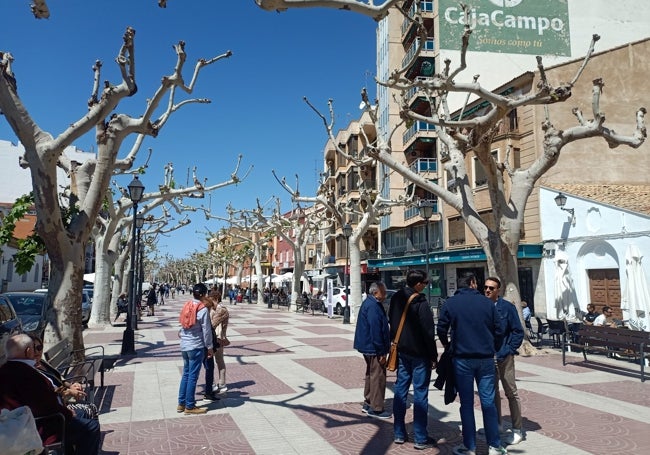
[(339, 299)]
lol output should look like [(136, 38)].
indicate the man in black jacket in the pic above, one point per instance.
[(417, 356)]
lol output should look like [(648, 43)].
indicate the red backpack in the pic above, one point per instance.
[(187, 317)]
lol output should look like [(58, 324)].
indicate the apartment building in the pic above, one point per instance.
[(343, 181), (507, 37)]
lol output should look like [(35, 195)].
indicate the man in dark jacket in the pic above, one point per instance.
[(417, 354), (476, 332), (372, 339), (512, 339)]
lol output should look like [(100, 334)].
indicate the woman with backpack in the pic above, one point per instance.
[(196, 338)]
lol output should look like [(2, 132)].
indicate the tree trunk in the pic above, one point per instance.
[(64, 314), (354, 275)]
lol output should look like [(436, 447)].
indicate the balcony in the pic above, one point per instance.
[(416, 128), (417, 7), (429, 45), (413, 211)]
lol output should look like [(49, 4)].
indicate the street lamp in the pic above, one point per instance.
[(251, 255), (347, 232), (139, 222), (271, 249), (136, 189), (425, 207)]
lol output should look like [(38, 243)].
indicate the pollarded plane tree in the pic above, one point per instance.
[(118, 218), (152, 228), (294, 228), (361, 207), (252, 228), (65, 238), (463, 136)]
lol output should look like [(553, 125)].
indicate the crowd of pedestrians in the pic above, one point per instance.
[(481, 333)]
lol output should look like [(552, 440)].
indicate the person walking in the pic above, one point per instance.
[(196, 338), (513, 336), (151, 300), (417, 354), (219, 318), (476, 332), (372, 339)]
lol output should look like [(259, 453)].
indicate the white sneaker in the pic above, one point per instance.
[(513, 438), (222, 389), (497, 451)]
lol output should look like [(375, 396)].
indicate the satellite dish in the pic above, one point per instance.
[(362, 105)]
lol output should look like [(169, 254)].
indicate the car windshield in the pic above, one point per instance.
[(27, 305)]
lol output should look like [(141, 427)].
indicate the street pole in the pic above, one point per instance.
[(347, 232), (139, 222), (251, 255), (426, 212), (270, 302), (136, 189)]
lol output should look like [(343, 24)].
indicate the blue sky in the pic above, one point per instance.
[(257, 108)]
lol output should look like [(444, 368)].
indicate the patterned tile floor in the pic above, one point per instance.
[(295, 387)]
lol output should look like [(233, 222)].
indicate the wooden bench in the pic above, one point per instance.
[(610, 341), (62, 357)]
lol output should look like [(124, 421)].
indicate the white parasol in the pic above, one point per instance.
[(635, 303)]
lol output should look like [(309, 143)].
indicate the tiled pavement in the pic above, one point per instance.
[(296, 384)]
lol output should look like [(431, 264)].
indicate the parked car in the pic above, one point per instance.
[(91, 292), (86, 306), (30, 308), (9, 324), (339, 300), (86, 303)]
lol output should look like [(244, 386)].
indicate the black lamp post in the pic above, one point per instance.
[(139, 222), (270, 302), (347, 232), (426, 211), (136, 189), (251, 255)]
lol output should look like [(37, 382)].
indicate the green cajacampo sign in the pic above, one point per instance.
[(508, 26)]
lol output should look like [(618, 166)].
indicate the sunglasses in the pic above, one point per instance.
[(491, 288)]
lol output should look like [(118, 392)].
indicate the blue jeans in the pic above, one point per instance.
[(484, 373), (417, 371), (208, 364), (192, 361)]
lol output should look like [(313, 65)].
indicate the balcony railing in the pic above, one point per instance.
[(422, 165), (413, 211), (410, 93), (416, 128), (423, 6), (429, 45)]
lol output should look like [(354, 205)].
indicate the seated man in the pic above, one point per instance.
[(22, 385), (606, 319)]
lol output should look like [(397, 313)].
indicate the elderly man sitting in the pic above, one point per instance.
[(22, 385)]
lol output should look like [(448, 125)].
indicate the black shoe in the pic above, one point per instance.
[(430, 443), (210, 396)]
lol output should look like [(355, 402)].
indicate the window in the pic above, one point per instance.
[(480, 175), (10, 270), (456, 231)]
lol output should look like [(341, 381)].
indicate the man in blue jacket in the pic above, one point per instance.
[(476, 332), (372, 339), (512, 339)]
